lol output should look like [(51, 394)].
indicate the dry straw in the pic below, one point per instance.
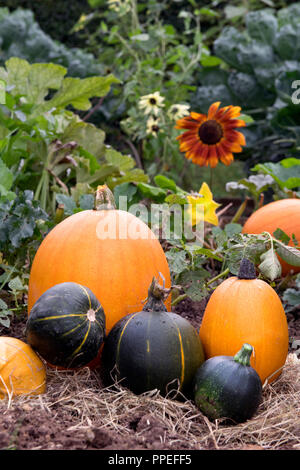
[(179, 424)]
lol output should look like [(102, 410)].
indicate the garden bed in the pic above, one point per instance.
[(77, 413)]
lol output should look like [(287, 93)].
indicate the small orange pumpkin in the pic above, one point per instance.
[(283, 214), (243, 309), (21, 370), (110, 251)]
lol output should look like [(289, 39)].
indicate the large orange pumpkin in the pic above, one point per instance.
[(283, 214), (21, 370), (110, 251), (243, 309)]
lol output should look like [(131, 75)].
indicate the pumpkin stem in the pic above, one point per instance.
[(243, 356), (157, 294), (104, 199), (247, 269)]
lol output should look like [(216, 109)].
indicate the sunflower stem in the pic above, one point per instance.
[(211, 178)]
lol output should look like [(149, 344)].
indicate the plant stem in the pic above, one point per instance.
[(211, 179), (222, 274), (240, 211), (178, 299)]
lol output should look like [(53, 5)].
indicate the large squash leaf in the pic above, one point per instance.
[(34, 81), (78, 92)]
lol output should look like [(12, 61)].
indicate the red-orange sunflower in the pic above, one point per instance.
[(211, 138)]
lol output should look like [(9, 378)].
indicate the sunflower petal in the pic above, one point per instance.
[(213, 110)]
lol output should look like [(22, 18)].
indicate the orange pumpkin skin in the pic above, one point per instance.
[(22, 372), (112, 252), (283, 214), (247, 311)]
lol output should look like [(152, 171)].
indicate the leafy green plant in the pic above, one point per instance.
[(283, 178), (44, 145), (152, 58), (191, 266), (262, 63), (291, 296), (21, 36)]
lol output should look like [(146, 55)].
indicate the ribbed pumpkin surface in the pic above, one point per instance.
[(246, 311), (21, 370), (283, 214), (118, 270)]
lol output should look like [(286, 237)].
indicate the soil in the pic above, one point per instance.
[(29, 425)]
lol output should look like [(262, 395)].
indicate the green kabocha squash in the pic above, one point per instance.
[(152, 349), (66, 326), (228, 387)]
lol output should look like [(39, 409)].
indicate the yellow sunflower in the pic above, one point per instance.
[(211, 138)]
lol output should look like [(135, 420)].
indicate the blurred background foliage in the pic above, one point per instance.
[(240, 52)]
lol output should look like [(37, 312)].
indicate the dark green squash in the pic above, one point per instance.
[(152, 349), (66, 326), (228, 387)]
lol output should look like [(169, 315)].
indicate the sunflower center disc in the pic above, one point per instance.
[(152, 101), (210, 132)]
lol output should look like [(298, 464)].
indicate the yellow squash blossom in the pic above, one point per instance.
[(203, 207)]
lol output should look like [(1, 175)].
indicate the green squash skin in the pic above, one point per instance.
[(61, 338), (152, 350), (223, 388)]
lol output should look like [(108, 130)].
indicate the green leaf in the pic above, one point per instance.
[(16, 285), (287, 44), (262, 26), (136, 175), (87, 135), (3, 305), (286, 177), (292, 296), (78, 92), (288, 253), (152, 192), (4, 320), (288, 162), (232, 229), (246, 118), (219, 236), (196, 292), (68, 203), (86, 201), (234, 12), (6, 178), (173, 199), (33, 81), (210, 60), (270, 266), (177, 261), (127, 190), (282, 236), (119, 160), (165, 183)]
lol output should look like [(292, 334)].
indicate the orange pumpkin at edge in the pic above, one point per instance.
[(110, 251), (283, 214), (22, 371), (243, 309)]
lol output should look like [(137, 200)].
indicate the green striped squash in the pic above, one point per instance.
[(66, 326), (152, 349)]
